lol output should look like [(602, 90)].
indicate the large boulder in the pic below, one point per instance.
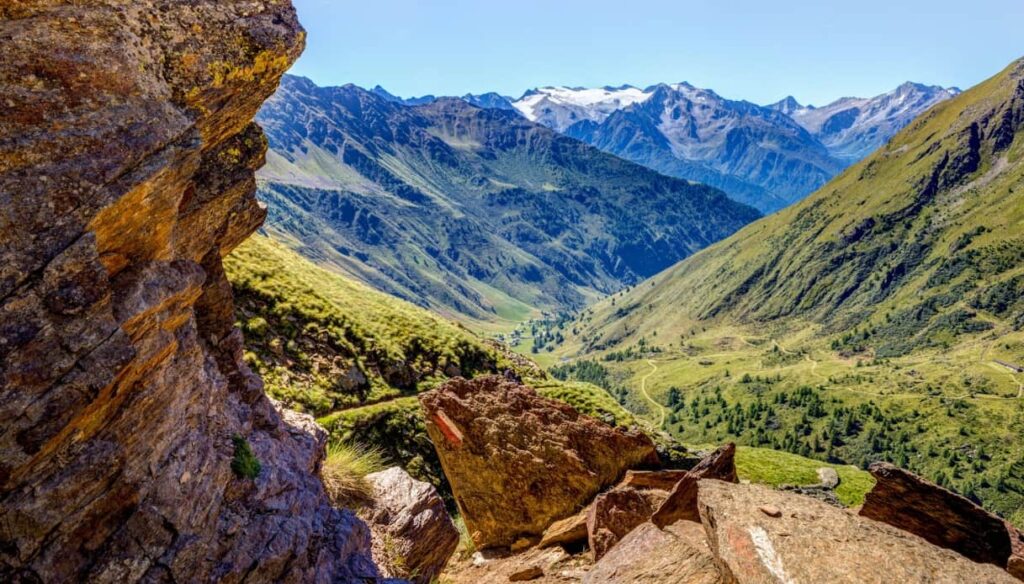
[(761, 535), (413, 535), (517, 461), (907, 501), (681, 503), (679, 554), (136, 444)]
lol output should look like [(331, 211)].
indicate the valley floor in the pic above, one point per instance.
[(955, 415)]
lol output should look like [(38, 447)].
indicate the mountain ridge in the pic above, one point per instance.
[(397, 195)]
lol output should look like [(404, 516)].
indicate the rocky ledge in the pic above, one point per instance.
[(136, 445)]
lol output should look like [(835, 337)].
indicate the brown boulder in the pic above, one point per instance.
[(682, 500), (615, 513), (812, 541), (516, 461), (907, 501), (413, 536), (679, 554)]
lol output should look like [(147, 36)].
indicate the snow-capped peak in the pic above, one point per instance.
[(561, 107)]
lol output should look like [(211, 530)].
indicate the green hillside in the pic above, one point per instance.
[(356, 358), (866, 322), (477, 214)]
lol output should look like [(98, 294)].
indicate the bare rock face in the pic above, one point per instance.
[(905, 500), (615, 513), (127, 157), (413, 536), (679, 554), (518, 462), (681, 503), (811, 541)]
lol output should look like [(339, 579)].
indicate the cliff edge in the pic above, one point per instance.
[(136, 445)]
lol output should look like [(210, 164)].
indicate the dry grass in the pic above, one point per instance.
[(344, 473)]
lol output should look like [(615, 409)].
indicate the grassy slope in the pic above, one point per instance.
[(306, 327), (886, 297), (309, 329)]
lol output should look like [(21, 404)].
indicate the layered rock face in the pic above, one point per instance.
[(518, 462), (127, 155)]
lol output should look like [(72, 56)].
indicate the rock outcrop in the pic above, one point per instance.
[(127, 157), (517, 462), (681, 503), (905, 500), (413, 536), (811, 541)]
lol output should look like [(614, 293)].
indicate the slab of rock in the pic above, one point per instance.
[(681, 503), (615, 513), (517, 462), (526, 574), (679, 554), (566, 531), (815, 542), (413, 535), (907, 501), (127, 161), (664, 480)]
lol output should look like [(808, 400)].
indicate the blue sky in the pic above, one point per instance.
[(743, 49)]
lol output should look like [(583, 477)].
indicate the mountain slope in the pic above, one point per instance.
[(758, 156), (852, 128), (477, 213), (880, 319), (928, 227)]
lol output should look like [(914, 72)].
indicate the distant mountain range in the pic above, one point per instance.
[(766, 156), (477, 213), (918, 244), (852, 127)]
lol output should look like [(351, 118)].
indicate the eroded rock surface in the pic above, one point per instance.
[(413, 536), (812, 541), (127, 154), (518, 462), (907, 501)]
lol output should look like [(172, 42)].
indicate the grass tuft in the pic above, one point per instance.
[(244, 464), (344, 472)]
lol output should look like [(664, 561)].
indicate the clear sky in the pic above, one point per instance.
[(816, 50)]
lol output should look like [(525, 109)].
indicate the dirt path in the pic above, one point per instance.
[(814, 367), (643, 389)]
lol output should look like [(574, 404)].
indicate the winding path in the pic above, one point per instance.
[(643, 389)]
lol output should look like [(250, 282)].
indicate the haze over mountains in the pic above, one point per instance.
[(477, 213)]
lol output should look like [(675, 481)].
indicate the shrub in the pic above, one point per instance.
[(244, 464), (344, 472)]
